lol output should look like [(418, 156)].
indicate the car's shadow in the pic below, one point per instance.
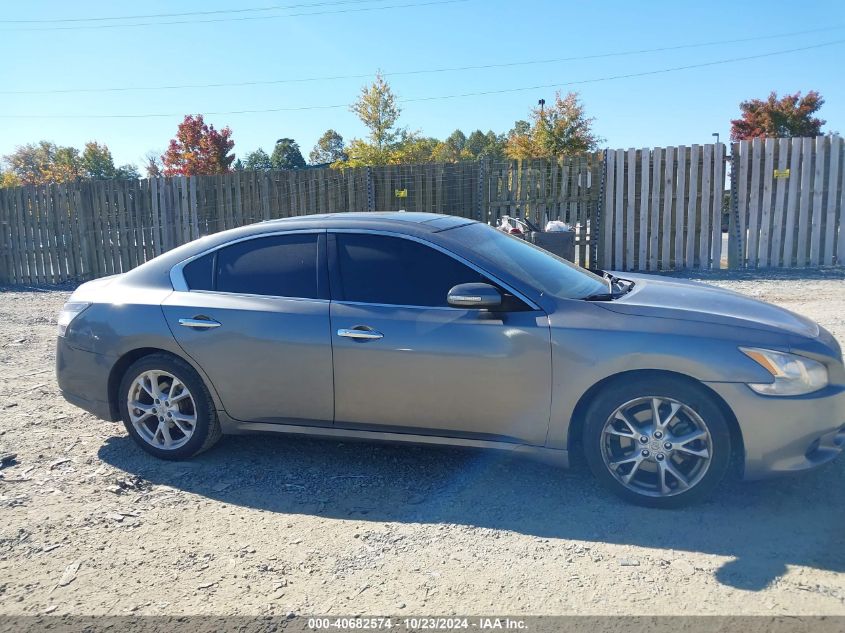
[(763, 526)]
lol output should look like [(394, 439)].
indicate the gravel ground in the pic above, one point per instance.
[(274, 525)]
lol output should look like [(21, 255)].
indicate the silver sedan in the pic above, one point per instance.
[(439, 330)]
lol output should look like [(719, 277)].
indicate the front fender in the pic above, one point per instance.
[(590, 344)]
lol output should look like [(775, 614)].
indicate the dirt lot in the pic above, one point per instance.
[(269, 525)]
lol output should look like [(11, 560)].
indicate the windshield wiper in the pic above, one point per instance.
[(602, 296), (617, 287)]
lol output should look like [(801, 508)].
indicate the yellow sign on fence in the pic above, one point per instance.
[(781, 173), (401, 193)]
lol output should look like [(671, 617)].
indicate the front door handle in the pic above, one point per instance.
[(199, 323), (360, 333)]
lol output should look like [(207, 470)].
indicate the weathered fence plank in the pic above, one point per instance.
[(840, 246), (818, 202), (642, 256), (778, 205), (630, 209), (668, 190), (678, 259), (704, 233), (805, 200), (833, 186), (606, 243), (793, 194), (654, 210), (762, 255), (618, 213), (718, 203), (692, 208)]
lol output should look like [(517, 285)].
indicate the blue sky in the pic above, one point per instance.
[(672, 108)]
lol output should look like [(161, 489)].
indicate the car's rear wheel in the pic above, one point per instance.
[(660, 442), (167, 409)]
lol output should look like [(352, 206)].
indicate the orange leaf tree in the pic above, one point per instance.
[(789, 116), (198, 149)]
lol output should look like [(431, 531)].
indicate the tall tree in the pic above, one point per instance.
[(127, 172), (490, 146), (413, 150), (9, 179), (378, 110), (29, 162), (97, 161), (153, 166), (66, 165), (44, 163), (329, 149), (451, 149), (520, 142), (286, 155), (789, 116), (258, 160), (562, 128), (198, 149)]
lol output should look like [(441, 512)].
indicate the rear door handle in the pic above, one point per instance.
[(361, 333), (199, 323)]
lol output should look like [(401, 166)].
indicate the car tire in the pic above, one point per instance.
[(678, 461), (173, 430)]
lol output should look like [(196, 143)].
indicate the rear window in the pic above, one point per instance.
[(278, 266), (199, 274)]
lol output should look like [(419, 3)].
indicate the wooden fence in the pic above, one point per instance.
[(790, 201), (636, 209), (83, 230), (663, 208)]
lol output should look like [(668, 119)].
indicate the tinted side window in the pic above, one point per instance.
[(279, 265), (392, 270), (199, 274)]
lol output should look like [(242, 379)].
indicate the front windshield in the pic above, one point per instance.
[(530, 264)]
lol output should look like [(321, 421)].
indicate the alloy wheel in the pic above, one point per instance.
[(656, 446), (161, 409)]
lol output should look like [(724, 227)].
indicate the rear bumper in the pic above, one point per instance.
[(786, 435), (83, 378)]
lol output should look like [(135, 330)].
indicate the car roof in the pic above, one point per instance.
[(429, 221), (156, 271)]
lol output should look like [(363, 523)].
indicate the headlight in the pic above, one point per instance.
[(793, 375), (69, 312)]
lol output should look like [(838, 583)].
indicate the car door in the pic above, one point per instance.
[(255, 316), (404, 360)]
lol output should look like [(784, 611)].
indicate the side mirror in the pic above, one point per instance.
[(474, 296)]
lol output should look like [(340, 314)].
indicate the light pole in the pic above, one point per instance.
[(716, 134)]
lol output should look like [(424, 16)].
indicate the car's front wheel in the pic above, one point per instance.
[(167, 409), (660, 442)]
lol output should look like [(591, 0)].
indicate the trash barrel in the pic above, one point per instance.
[(561, 243)]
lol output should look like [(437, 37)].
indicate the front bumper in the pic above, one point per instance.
[(786, 434), (83, 378)]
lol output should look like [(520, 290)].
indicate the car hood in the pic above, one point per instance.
[(692, 301)]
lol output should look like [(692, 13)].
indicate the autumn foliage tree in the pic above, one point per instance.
[(45, 163), (378, 109), (788, 116), (198, 149), (329, 149), (562, 128)]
